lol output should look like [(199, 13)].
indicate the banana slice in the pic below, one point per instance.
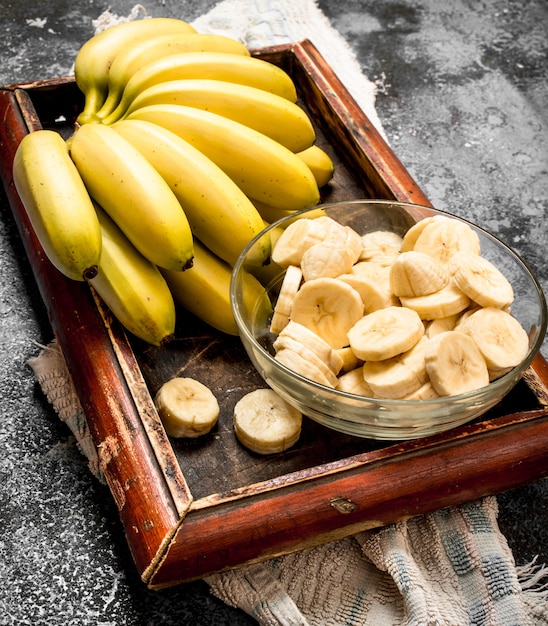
[(314, 342), (283, 342), (385, 333), (380, 244), (415, 273), (424, 392), (265, 423), (284, 304), (186, 407), (440, 325), (354, 382), (375, 294), (411, 236), (329, 307), (304, 367), (325, 259), (447, 301), (349, 360), (444, 237), (481, 281), (296, 239), (501, 339), (398, 376), (455, 364)]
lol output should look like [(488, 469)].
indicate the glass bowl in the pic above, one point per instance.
[(256, 281)]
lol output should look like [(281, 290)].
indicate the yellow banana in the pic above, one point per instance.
[(264, 169), (131, 59), (134, 194), (319, 162), (278, 118), (57, 203), (233, 68), (204, 289), (218, 211), (93, 60), (132, 287)]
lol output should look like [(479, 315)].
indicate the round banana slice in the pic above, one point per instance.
[(329, 307), (305, 367), (411, 236), (417, 274), (385, 333), (319, 346), (442, 238), (455, 364), (440, 325), (296, 238), (265, 423), (500, 337), (380, 244), (325, 259), (424, 392), (186, 407), (284, 342), (349, 360), (447, 301), (354, 382), (284, 304), (481, 281), (399, 376), (375, 295)]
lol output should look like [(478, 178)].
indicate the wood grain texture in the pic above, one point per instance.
[(190, 508)]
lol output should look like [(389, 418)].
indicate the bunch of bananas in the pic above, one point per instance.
[(186, 146)]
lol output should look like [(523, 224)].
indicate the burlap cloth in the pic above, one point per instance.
[(449, 568)]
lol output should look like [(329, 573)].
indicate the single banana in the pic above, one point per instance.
[(204, 289), (132, 287), (218, 211), (319, 162), (95, 57), (261, 167), (278, 118), (454, 364), (58, 204), (187, 407), (385, 333), (131, 59), (265, 423), (234, 68), (330, 308), (134, 194)]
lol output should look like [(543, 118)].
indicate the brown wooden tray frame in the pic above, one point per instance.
[(175, 536)]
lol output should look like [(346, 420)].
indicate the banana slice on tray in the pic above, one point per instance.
[(265, 423), (186, 407), (385, 333), (455, 364)]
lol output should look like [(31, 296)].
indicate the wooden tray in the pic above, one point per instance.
[(190, 508)]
